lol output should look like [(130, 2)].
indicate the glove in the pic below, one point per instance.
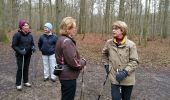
[(121, 75), (33, 49), (83, 62), (106, 68), (22, 52)]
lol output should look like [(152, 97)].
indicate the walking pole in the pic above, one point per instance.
[(104, 84), (22, 69), (82, 86)]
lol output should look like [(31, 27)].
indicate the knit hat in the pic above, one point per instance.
[(49, 26), (22, 23)]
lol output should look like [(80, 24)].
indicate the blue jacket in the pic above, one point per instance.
[(46, 44)]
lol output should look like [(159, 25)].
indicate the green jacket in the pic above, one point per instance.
[(121, 57)]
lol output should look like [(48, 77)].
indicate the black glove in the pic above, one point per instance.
[(22, 52), (33, 49), (106, 68), (121, 75)]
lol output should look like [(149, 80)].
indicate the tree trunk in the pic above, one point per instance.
[(121, 10), (3, 37), (145, 26), (107, 14), (30, 14), (82, 17), (165, 20), (59, 5), (41, 15)]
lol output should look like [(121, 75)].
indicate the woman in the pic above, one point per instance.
[(120, 59), (46, 45), (23, 45), (68, 57)]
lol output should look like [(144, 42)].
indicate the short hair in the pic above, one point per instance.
[(122, 25), (66, 24)]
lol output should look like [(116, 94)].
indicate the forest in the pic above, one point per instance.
[(148, 26)]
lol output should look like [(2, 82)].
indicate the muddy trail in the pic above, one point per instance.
[(152, 83)]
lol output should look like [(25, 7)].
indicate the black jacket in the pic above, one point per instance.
[(22, 41), (46, 44)]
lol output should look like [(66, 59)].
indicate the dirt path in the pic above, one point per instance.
[(150, 84)]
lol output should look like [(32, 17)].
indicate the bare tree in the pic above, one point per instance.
[(165, 20), (121, 10), (59, 7), (41, 14), (107, 16), (82, 17), (30, 14), (3, 36)]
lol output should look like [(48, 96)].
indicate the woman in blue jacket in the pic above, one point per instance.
[(46, 45)]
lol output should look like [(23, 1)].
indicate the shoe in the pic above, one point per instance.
[(53, 80), (27, 84), (19, 88), (46, 79)]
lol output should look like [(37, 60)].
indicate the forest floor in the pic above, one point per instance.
[(152, 75)]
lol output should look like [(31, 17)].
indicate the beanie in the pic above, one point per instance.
[(49, 26), (22, 23)]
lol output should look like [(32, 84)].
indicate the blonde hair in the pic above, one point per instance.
[(122, 25), (67, 24)]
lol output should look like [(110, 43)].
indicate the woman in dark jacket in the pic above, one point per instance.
[(68, 57), (46, 44), (23, 45)]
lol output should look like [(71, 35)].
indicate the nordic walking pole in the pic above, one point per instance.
[(104, 84), (82, 86), (22, 69)]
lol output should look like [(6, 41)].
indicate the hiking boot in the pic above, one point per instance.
[(27, 84), (19, 88)]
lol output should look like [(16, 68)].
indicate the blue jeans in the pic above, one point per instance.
[(125, 92)]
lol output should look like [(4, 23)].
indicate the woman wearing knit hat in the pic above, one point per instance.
[(23, 45), (120, 59), (46, 45)]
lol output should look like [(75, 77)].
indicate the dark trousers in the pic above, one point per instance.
[(68, 89), (125, 93), (19, 59)]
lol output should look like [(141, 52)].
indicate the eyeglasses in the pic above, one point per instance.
[(115, 28)]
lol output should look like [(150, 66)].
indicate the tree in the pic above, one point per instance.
[(121, 10), (82, 17), (107, 16), (30, 14), (59, 7), (41, 15), (165, 20), (3, 36)]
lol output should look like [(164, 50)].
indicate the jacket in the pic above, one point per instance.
[(22, 41), (120, 57), (67, 54), (46, 44)]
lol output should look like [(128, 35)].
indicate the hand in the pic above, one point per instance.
[(22, 52), (121, 75), (83, 62), (106, 68), (33, 49)]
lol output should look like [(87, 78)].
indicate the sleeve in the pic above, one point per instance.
[(15, 41), (105, 54), (32, 42), (133, 60), (40, 43), (70, 55)]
